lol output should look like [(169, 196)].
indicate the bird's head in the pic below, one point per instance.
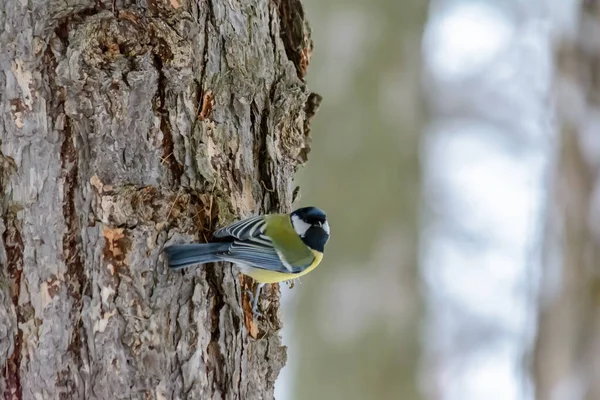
[(310, 223)]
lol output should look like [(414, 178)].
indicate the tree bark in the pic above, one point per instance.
[(127, 126), (566, 363)]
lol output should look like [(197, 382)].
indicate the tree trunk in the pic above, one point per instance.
[(566, 362), (127, 126)]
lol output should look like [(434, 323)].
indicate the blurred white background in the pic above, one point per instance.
[(434, 154)]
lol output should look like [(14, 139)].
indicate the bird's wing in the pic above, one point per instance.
[(259, 252), (244, 229)]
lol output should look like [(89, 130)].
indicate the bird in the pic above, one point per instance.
[(269, 248)]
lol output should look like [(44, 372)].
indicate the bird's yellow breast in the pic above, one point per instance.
[(267, 276)]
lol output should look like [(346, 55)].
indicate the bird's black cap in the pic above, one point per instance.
[(311, 215)]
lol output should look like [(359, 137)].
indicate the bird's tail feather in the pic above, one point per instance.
[(183, 255)]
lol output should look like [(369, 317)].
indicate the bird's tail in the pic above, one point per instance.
[(183, 255)]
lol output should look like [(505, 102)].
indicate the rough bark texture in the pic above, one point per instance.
[(125, 127), (566, 362)]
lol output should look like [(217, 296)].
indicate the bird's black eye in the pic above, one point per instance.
[(315, 221), (311, 215)]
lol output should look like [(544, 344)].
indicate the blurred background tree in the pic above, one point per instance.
[(567, 351), (464, 252), (357, 320)]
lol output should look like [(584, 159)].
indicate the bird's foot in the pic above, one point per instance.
[(292, 282), (254, 300)]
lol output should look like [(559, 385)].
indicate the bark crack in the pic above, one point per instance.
[(295, 34), (165, 126), (13, 243), (210, 17), (71, 241), (216, 360), (262, 161), (75, 278), (200, 94)]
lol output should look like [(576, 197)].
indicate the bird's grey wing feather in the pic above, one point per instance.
[(244, 229), (259, 252)]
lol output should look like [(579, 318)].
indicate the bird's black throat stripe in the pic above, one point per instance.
[(315, 238)]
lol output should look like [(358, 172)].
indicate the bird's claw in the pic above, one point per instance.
[(254, 300), (256, 314)]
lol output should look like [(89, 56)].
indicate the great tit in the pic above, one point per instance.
[(269, 248)]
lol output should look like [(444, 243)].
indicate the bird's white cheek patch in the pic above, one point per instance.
[(300, 226)]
